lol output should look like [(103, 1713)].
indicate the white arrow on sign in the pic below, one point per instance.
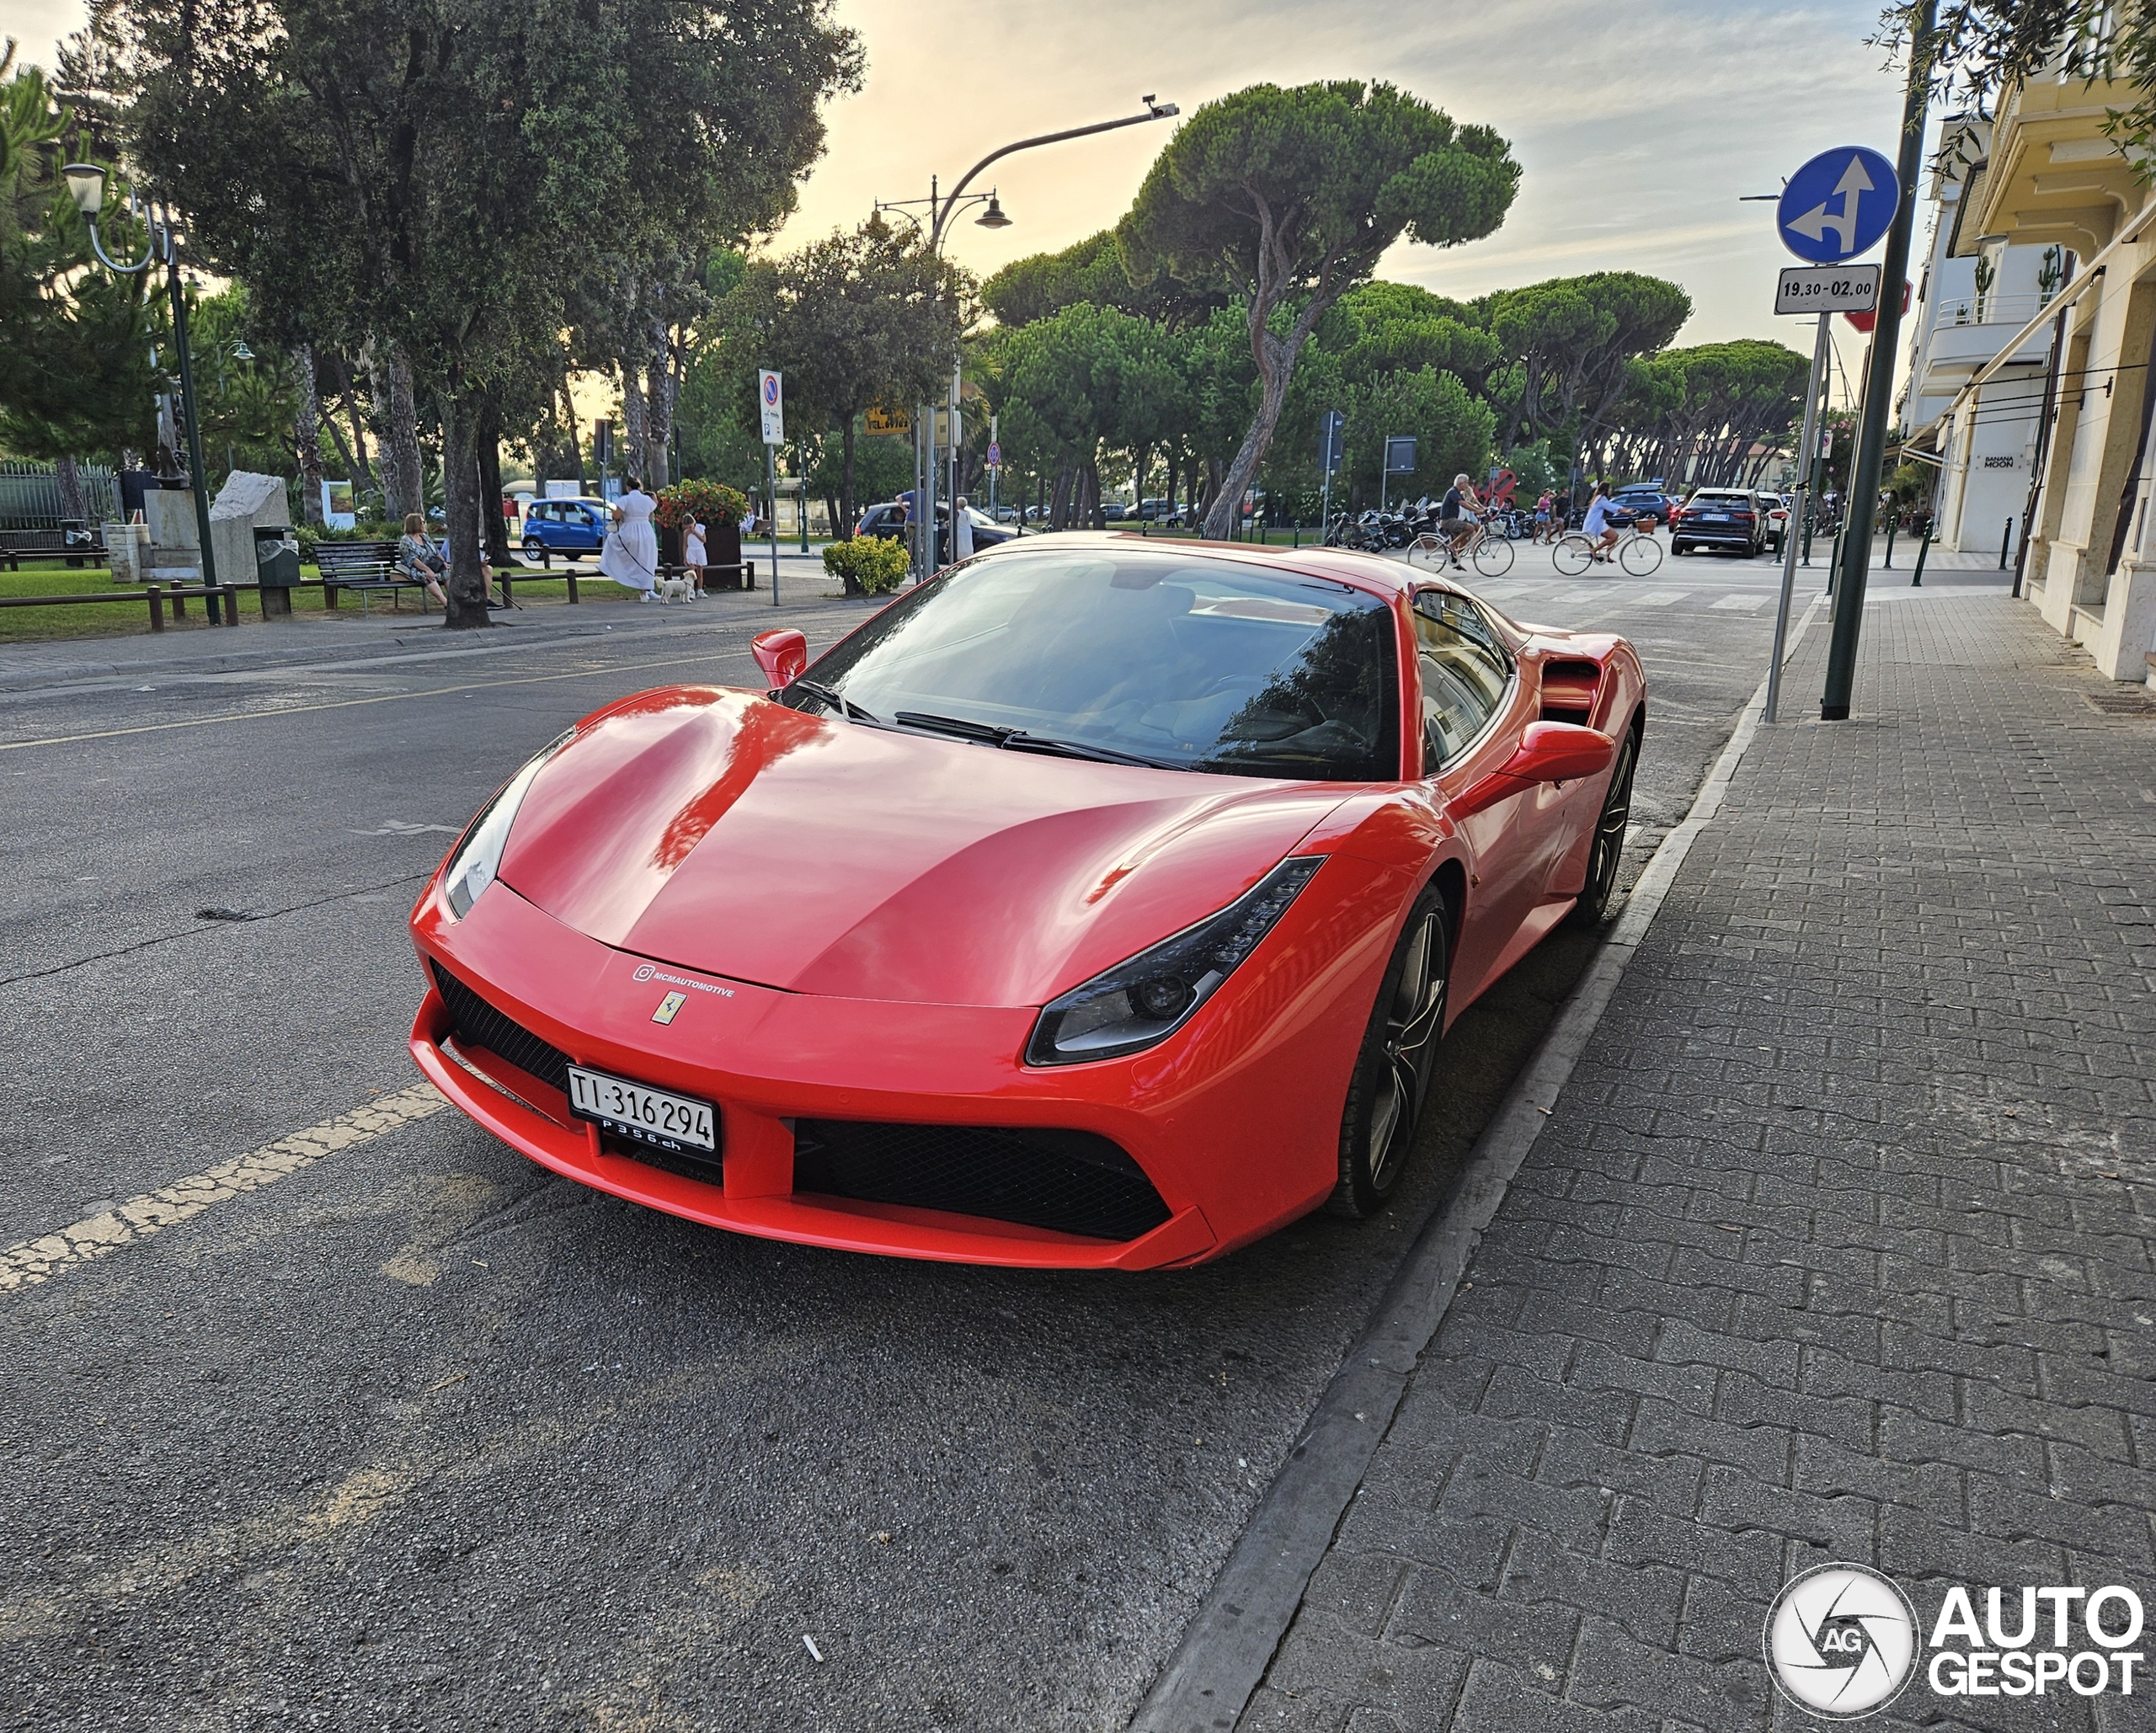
[(1814, 222)]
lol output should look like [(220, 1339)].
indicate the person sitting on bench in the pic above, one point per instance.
[(418, 557)]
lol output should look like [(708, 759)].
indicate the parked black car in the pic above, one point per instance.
[(1645, 502), (1731, 519), (888, 521)]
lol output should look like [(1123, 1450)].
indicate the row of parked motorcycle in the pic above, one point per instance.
[(1372, 531)]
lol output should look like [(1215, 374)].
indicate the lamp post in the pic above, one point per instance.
[(86, 185), (941, 210)]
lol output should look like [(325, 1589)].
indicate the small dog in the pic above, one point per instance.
[(675, 589)]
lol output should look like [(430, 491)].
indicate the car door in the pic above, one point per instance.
[(1474, 712)]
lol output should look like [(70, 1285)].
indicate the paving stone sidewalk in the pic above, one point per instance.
[(1838, 1246)]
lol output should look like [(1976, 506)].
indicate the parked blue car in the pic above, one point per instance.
[(568, 527)]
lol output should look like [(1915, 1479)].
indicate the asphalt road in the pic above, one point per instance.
[(421, 1436)]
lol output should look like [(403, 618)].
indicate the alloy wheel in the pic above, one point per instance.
[(1413, 1022)]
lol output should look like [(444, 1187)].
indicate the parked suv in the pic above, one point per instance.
[(1644, 501), (1731, 519), (569, 527)]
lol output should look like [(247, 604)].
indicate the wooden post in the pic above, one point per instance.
[(231, 593), (572, 578), (157, 608)]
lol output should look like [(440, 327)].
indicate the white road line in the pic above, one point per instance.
[(31, 1261), (1662, 598), (1746, 602)]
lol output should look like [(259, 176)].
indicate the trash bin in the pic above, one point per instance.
[(276, 570)]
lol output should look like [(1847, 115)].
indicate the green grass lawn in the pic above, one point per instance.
[(131, 618)]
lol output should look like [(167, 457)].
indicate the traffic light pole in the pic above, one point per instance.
[(1879, 384)]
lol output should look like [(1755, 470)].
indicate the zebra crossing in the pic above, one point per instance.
[(1567, 603)]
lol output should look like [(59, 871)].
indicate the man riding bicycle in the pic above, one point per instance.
[(1457, 520)]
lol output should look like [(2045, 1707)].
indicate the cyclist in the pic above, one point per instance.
[(1457, 518), (1597, 524)]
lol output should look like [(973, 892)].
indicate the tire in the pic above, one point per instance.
[(1640, 555), (534, 549), (1391, 1079), (1494, 558), (1608, 852), (1573, 554)]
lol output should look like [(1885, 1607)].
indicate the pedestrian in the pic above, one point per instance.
[(631, 554), (692, 556), (962, 529), (1544, 507), (418, 557)]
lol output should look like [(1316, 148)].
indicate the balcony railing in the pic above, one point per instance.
[(1990, 309)]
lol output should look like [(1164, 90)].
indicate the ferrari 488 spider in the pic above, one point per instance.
[(1095, 904)]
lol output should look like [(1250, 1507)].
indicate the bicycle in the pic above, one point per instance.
[(1636, 551), (1492, 554)]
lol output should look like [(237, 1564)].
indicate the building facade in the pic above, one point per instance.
[(1977, 294), (2053, 178)]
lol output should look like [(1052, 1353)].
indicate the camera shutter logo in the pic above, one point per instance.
[(1841, 1641)]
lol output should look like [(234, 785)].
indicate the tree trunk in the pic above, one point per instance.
[(576, 440), (659, 396), (843, 529), (307, 438), (69, 480), (495, 526), (1090, 479), (403, 477), (462, 412), (1059, 511), (636, 421)]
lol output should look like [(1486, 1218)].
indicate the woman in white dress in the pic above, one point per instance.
[(631, 556), (692, 556)]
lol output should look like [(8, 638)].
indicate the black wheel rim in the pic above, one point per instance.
[(1413, 1022), (1610, 828)]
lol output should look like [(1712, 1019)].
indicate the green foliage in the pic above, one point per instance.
[(872, 565), (1279, 194), (75, 339), (1566, 343), (1451, 428), (372, 168), (1093, 272)]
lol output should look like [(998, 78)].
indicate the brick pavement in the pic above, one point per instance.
[(1838, 1245)]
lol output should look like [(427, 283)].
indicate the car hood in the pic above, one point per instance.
[(717, 831)]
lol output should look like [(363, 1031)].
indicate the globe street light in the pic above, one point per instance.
[(85, 183)]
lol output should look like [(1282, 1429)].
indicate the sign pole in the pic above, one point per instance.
[(1879, 383), (771, 409), (1789, 521)]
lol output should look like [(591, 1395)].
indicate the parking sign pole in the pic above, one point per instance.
[(1789, 519)]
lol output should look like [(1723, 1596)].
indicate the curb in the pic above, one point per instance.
[(1231, 1639)]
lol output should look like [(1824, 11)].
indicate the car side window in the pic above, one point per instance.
[(1465, 672)]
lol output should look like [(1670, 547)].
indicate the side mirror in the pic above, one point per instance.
[(783, 656), (1560, 752), (1548, 752)]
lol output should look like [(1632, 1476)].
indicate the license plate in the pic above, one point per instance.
[(648, 1116), (1713, 517)]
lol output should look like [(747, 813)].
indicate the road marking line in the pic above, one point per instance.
[(285, 710), (1662, 598), (1746, 602), (31, 1261)]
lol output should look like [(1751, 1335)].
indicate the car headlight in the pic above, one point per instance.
[(1144, 1000), (473, 862)]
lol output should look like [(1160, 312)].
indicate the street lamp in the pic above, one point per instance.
[(85, 183), (940, 209)]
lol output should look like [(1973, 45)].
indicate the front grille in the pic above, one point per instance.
[(478, 1024), (708, 1169), (1071, 1181)]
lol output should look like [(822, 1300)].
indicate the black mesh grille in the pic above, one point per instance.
[(710, 1170), (1071, 1181), (478, 1024)]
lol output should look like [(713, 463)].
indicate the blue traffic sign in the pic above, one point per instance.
[(1839, 205)]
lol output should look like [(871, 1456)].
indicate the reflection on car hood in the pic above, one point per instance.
[(723, 833)]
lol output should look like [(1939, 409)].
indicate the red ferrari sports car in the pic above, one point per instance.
[(1097, 904)]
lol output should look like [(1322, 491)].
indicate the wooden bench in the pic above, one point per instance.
[(363, 566), (17, 545)]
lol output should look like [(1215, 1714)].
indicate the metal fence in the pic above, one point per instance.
[(30, 495)]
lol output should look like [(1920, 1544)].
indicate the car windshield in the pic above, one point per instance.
[(1190, 663)]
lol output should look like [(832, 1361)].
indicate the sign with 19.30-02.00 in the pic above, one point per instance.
[(1828, 289)]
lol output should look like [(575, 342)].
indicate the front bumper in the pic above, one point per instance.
[(1235, 1121)]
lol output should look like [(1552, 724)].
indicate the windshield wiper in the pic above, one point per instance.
[(1019, 740), (838, 702)]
